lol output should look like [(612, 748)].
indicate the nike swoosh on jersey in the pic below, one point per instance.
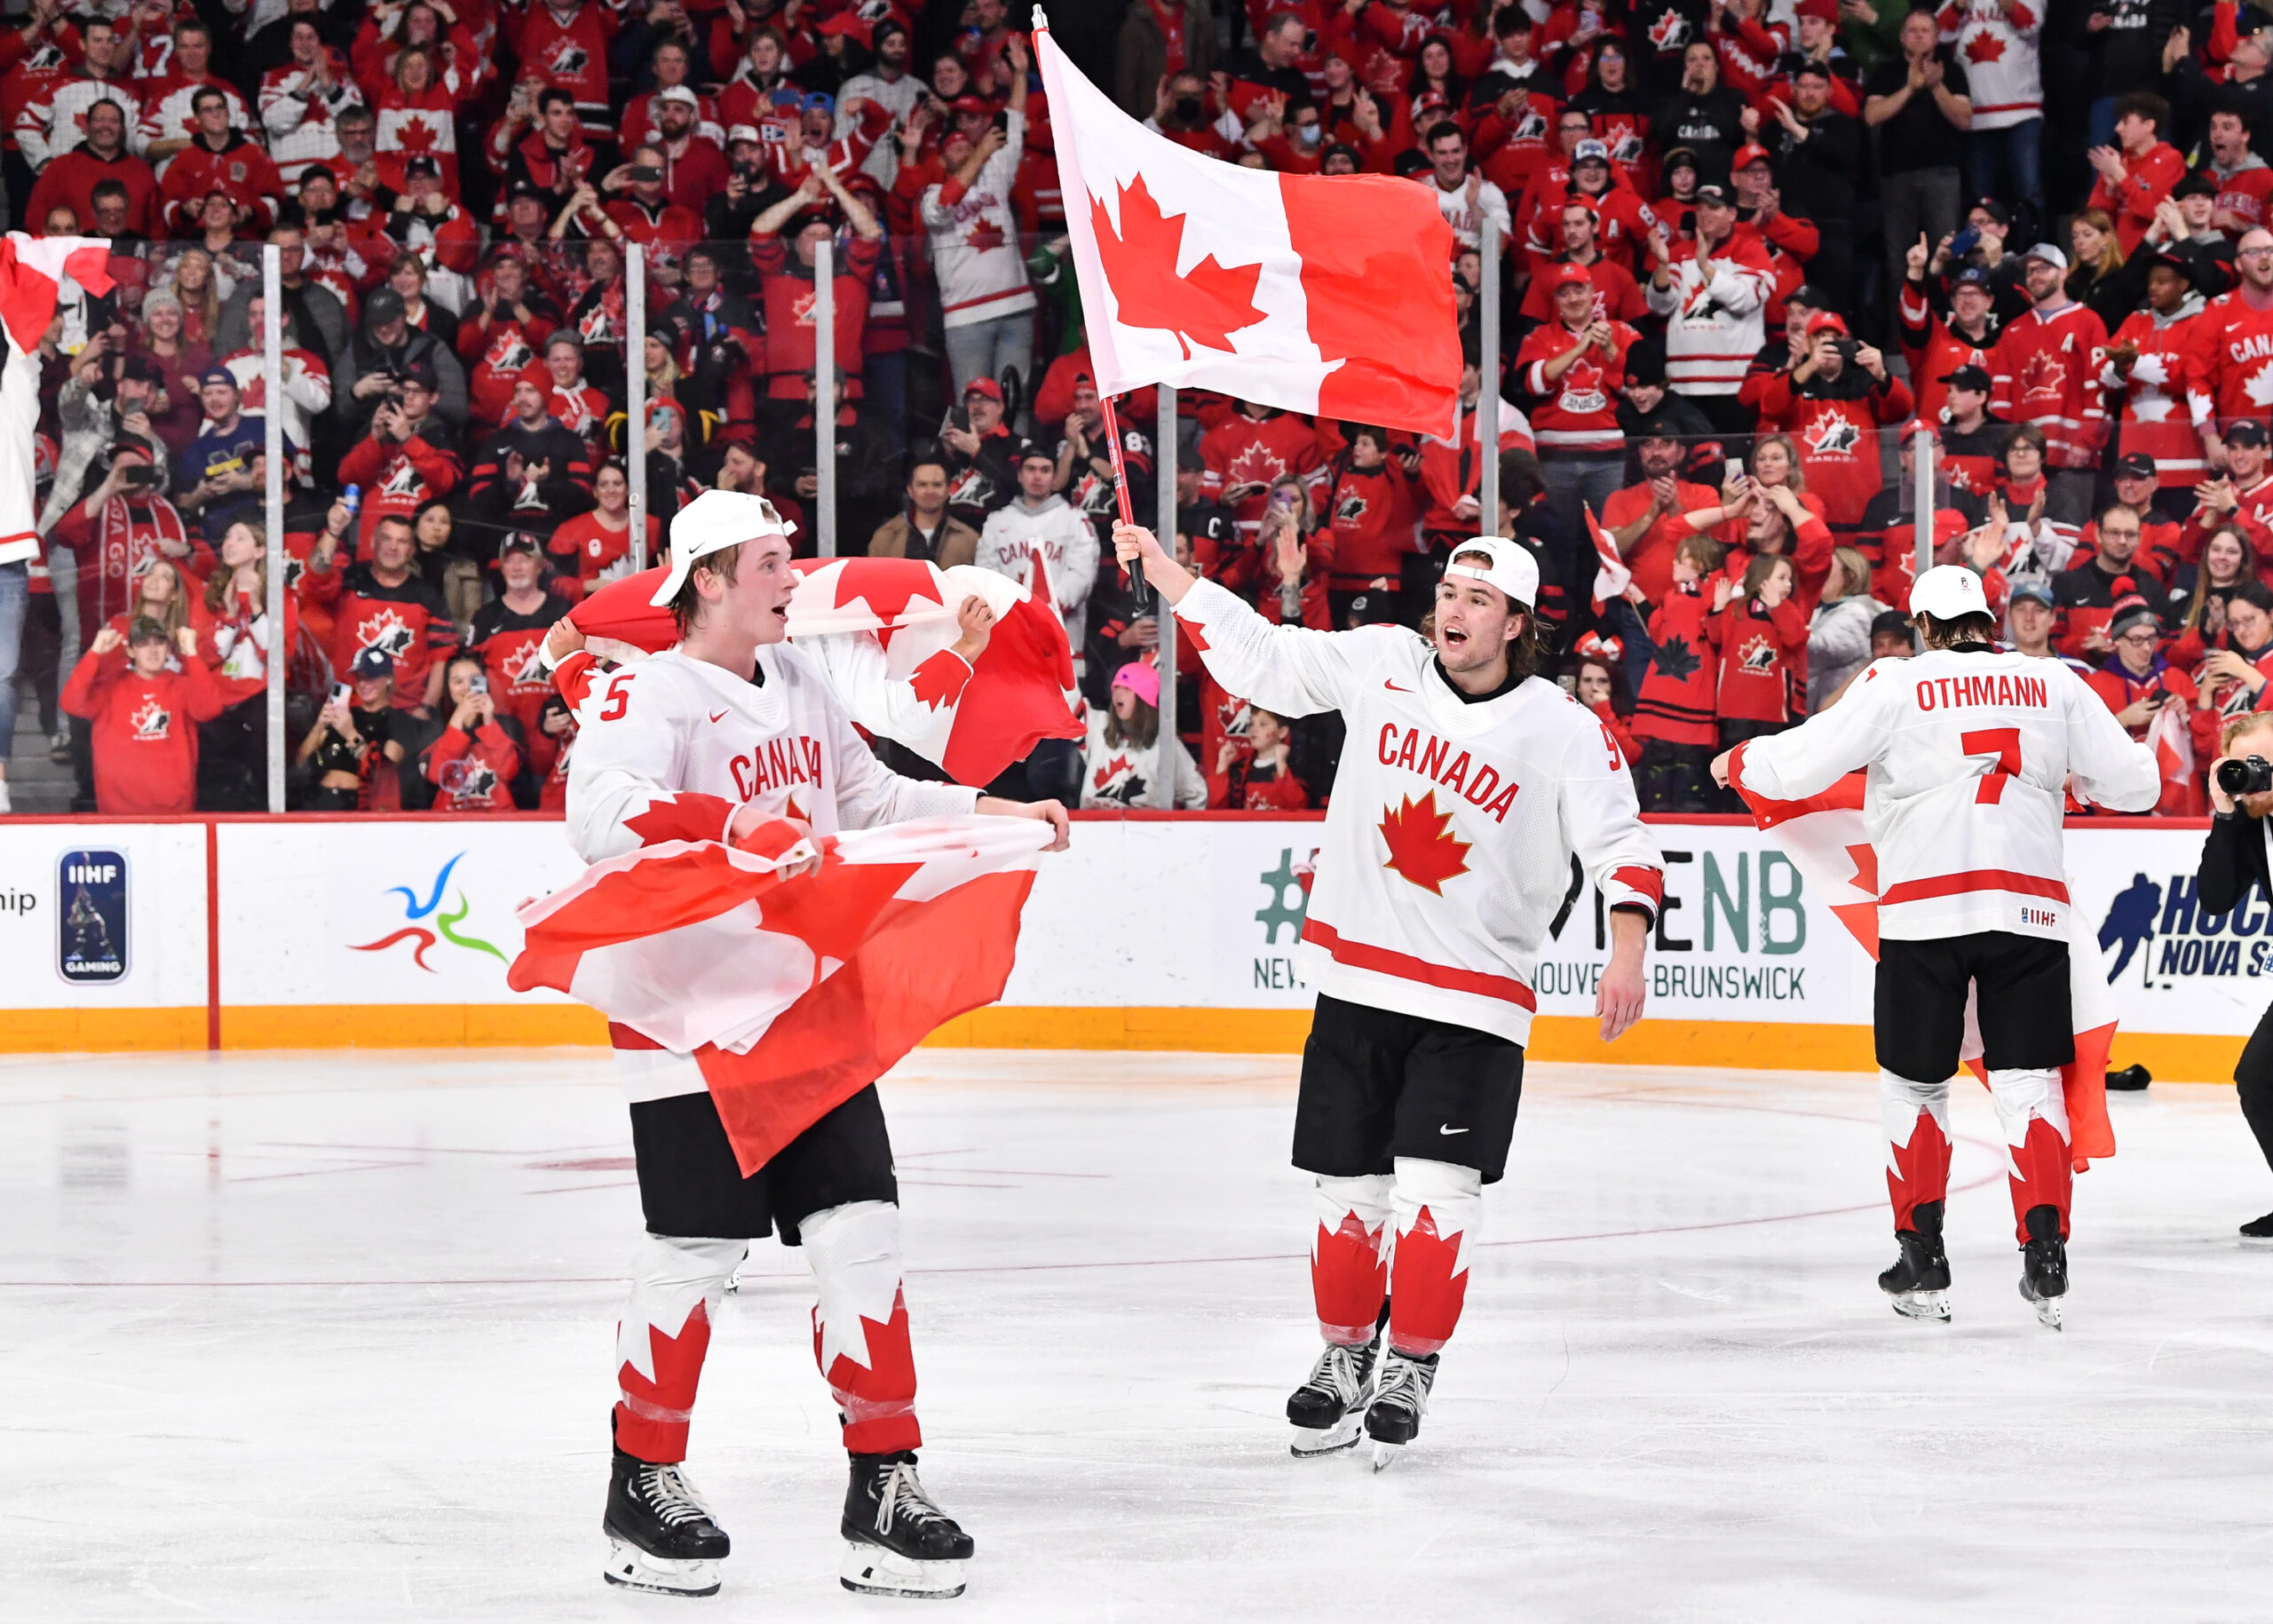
[(1449, 1131), (1393, 688), (718, 716)]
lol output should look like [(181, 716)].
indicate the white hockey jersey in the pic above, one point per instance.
[(1449, 839), (671, 748), (1968, 755), (975, 251), (1058, 538)]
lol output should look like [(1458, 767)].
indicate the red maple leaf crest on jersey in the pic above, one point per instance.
[(2042, 377), (984, 233), (1112, 770), (1670, 30), (1255, 464), (1421, 845), (1985, 47), (1205, 306), (1582, 377)]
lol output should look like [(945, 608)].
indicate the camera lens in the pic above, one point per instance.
[(2251, 775)]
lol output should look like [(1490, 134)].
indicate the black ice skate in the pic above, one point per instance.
[(2259, 1229), (2044, 1264), (660, 1536), (1919, 1281), (1327, 1409), (898, 1542), (1400, 1399)]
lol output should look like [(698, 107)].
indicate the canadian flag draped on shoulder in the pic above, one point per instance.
[(1825, 837), (885, 629), (1326, 295), (32, 273)]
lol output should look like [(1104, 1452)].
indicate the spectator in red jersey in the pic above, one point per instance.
[(219, 157), (1761, 642), (1618, 297), (1675, 719), (356, 745), (596, 546), (123, 524), (1251, 774), (385, 604), (2243, 494), (1247, 450), (2043, 376), (2139, 171), (1832, 405), (500, 337), (507, 633), (406, 459), (144, 714), (1939, 342), (1646, 521), (1600, 686), (786, 280), (2227, 564), (69, 179), (1371, 512), (1573, 369), (472, 765), (2233, 680)]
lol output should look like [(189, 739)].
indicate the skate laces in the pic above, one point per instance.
[(900, 1496), (1401, 1380), (670, 1496), (1336, 1374)]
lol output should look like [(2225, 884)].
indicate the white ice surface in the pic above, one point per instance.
[(329, 1337)]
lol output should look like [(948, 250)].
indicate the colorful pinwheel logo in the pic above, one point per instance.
[(416, 910)]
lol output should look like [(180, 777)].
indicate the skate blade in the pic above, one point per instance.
[(1922, 1305), (871, 1570), (634, 1570), (1310, 1442), (2048, 1308), (733, 1287), (1384, 1452)]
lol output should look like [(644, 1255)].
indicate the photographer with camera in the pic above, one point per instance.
[(406, 460), (2234, 857), (1832, 404)]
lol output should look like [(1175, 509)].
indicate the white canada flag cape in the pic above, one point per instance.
[(884, 629), (1326, 295), (32, 273), (792, 995), (1824, 836)]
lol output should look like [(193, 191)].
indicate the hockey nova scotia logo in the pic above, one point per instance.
[(421, 938), (2161, 934)]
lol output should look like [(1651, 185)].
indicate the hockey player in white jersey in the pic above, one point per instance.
[(1467, 786), (1969, 751), (732, 731)]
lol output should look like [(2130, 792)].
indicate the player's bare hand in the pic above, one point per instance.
[(976, 619), (564, 639), (1051, 813), (1623, 990), (1133, 544), (1721, 768)]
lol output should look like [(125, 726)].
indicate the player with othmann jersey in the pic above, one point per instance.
[(1469, 784), (1969, 752), (675, 748)]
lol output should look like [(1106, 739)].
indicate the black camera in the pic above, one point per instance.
[(2251, 775), (1847, 348)]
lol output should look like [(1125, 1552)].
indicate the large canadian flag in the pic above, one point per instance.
[(1824, 836), (792, 995), (884, 628), (1330, 296), (32, 273)]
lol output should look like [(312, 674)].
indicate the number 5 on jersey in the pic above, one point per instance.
[(619, 699)]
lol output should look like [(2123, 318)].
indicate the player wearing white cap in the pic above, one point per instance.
[(1969, 752), (733, 735), (1468, 785)]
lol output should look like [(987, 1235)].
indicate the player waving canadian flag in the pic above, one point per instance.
[(1469, 785)]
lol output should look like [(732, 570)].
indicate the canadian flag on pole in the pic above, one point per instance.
[(1611, 577), (1824, 836), (1330, 296), (32, 271), (884, 629), (792, 995)]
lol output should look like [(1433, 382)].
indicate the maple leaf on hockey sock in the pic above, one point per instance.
[(1421, 847), (1204, 305)]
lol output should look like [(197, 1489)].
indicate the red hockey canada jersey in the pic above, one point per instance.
[(2045, 370), (1577, 412), (1838, 437), (2155, 415)]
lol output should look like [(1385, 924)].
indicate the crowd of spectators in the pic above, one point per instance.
[(1755, 250)]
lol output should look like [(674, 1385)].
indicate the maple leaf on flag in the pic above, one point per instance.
[(1676, 659), (939, 680), (888, 585), (1205, 306), (1421, 847), (1985, 47), (415, 135)]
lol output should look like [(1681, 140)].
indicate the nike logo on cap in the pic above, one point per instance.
[(1448, 1131), (716, 715)]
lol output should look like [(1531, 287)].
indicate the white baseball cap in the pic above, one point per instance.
[(711, 523), (1948, 593), (1514, 571)]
